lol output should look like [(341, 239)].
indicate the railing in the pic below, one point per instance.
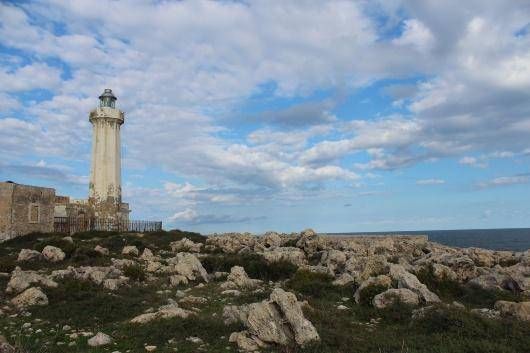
[(75, 225)]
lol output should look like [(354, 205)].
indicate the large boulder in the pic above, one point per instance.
[(189, 266), (269, 240), (364, 267), (53, 254), (333, 259), (279, 320), (238, 279), (310, 242), (21, 280), (392, 296), (520, 311), (30, 297), (408, 280), (29, 255)]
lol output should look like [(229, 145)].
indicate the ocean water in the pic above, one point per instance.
[(513, 239)]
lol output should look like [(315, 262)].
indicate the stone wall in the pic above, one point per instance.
[(25, 209)]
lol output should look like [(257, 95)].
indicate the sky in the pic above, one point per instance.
[(278, 115)]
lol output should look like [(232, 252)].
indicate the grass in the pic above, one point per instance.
[(255, 266)]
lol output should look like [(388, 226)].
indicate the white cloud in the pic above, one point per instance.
[(416, 34), (504, 181)]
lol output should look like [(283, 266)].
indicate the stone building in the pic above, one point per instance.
[(25, 209)]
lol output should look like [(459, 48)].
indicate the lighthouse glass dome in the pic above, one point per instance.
[(107, 99)]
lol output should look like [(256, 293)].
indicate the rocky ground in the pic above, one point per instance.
[(183, 292)]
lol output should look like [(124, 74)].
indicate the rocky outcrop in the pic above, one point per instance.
[(279, 320), (392, 296), (101, 250), (30, 297), (231, 243), (107, 276), (53, 254), (288, 254), (363, 267), (408, 280), (21, 280), (186, 245), (238, 279), (520, 311)]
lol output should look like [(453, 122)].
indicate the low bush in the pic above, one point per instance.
[(255, 266), (367, 294), (317, 285), (134, 272)]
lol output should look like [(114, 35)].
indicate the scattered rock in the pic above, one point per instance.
[(103, 251), (164, 312), (176, 280), (150, 348), (185, 245), (392, 296), (189, 266), (520, 311), (21, 280), (130, 250), (380, 281), (147, 255), (100, 339), (289, 254), (53, 254), (238, 279), (30, 297), (29, 255), (408, 280)]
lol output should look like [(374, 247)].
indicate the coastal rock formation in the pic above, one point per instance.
[(279, 320), (189, 266), (380, 281), (186, 245), (289, 254), (408, 280)]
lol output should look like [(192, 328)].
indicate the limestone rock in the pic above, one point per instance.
[(164, 312), (21, 280), (279, 320), (189, 266), (363, 267), (333, 260), (289, 254), (344, 279), (442, 272), (53, 254), (100, 339), (393, 295), (520, 311), (270, 240), (381, 281), (103, 251), (147, 255), (408, 280), (176, 280), (238, 279), (130, 250), (231, 243), (30, 297), (185, 245), (244, 342), (29, 255)]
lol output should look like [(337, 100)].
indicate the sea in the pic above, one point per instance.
[(512, 239)]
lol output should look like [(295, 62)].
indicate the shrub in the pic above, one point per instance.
[(255, 266), (367, 294), (314, 284), (134, 272), (7, 263)]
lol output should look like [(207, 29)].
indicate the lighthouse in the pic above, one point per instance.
[(105, 173)]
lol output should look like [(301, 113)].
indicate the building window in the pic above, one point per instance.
[(34, 213)]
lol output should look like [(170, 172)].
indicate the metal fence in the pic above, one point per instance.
[(75, 225)]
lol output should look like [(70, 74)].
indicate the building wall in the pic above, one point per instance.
[(25, 209)]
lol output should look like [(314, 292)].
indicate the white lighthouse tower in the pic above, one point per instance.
[(105, 174)]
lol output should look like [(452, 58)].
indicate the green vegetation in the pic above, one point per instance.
[(255, 266), (134, 272)]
